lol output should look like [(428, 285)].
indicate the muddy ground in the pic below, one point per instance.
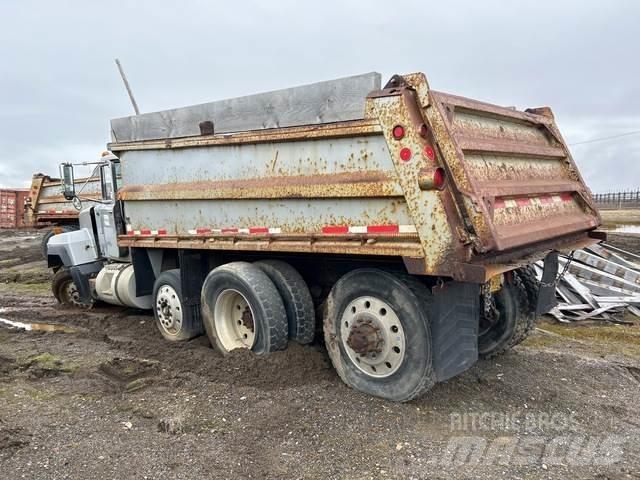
[(104, 396)]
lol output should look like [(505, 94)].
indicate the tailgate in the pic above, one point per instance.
[(515, 181)]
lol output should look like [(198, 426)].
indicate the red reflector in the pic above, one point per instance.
[(566, 197), (383, 229), (439, 178), (398, 132), (424, 131), (335, 229), (428, 151), (405, 154), (145, 231)]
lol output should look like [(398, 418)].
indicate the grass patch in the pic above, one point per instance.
[(602, 338), (26, 288), (48, 362), (608, 333), (38, 395)]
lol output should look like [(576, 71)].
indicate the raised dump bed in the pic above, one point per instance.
[(445, 182), (45, 204), (407, 218)]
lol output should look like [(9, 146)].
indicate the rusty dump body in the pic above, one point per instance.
[(362, 186), (45, 204)]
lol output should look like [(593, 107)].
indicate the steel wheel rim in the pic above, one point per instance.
[(72, 294), (383, 352), (169, 309), (234, 320)]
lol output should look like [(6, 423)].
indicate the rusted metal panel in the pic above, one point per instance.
[(338, 185), (402, 245), (306, 132), (513, 192), (12, 207), (516, 177), (46, 205)]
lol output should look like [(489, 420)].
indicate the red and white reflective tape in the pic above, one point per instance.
[(371, 229), (234, 230), (145, 232), (527, 201), (387, 229), (55, 212)]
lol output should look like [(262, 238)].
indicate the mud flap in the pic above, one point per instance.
[(454, 316), (547, 292), (81, 275)]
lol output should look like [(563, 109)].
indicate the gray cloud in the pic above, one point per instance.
[(59, 86)]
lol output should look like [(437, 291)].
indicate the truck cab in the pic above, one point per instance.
[(85, 260)]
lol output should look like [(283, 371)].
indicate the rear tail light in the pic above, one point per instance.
[(428, 151), (432, 178), (398, 132)]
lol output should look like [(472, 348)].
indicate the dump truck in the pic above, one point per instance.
[(46, 208), (396, 224)]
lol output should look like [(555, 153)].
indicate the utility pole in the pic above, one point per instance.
[(126, 85)]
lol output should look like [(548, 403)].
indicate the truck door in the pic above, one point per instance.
[(106, 215)]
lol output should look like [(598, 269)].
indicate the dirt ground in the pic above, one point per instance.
[(101, 395)]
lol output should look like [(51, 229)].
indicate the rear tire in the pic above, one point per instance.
[(378, 335), (297, 299), (65, 291), (515, 305), (242, 308), (175, 320)]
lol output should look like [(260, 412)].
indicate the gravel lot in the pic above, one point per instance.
[(104, 396)]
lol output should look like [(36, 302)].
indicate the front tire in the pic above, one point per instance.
[(175, 320), (65, 291), (378, 335)]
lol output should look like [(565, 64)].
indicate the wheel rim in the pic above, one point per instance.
[(373, 337), (234, 320), (72, 295), (169, 309)]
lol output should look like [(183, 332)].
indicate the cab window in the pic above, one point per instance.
[(107, 182)]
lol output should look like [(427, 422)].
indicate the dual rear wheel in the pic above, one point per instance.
[(376, 324), (255, 306), (376, 327)]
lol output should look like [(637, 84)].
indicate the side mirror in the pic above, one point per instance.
[(68, 184)]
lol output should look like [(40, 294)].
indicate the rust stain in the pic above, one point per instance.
[(326, 131), (348, 184)]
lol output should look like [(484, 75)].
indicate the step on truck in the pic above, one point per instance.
[(396, 224)]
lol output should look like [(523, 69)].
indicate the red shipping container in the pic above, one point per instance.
[(12, 207)]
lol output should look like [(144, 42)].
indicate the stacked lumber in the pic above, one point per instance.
[(601, 282)]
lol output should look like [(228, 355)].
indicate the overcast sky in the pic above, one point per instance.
[(59, 86)]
